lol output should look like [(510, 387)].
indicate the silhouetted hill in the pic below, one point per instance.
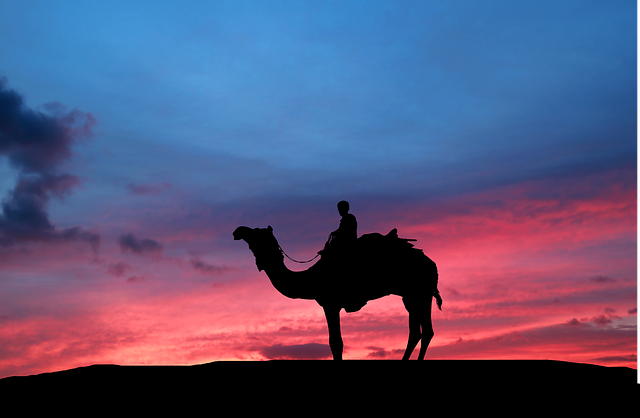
[(248, 385)]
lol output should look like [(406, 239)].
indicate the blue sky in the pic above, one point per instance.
[(464, 115), (334, 98)]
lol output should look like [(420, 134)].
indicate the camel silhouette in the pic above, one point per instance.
[(377, 266)]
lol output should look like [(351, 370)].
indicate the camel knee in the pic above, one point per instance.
[(427, 335), (414, 336)]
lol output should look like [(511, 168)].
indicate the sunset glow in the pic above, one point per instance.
[(134, 139)]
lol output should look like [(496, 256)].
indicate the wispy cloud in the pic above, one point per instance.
[(146, 246), (135, 279), (629, 359), (572, 343), (206, 268), (297, 352), (381, 353), (602, 279), (118, 269), (148, 189)]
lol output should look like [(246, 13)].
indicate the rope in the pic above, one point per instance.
[(296, 261)]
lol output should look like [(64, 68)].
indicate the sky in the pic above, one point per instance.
[(136, 136)]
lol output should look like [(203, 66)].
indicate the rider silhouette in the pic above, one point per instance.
[(345, 236)]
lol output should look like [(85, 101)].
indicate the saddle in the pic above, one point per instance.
[(372, 247)]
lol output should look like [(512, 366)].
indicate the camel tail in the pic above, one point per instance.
[(436, 292)]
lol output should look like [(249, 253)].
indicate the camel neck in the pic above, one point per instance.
[(292, 284)]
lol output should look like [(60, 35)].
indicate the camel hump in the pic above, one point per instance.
[(393, 233)]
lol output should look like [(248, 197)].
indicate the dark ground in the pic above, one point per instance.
[(302, 387)]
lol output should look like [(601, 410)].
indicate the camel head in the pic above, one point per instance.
[(262, 244)]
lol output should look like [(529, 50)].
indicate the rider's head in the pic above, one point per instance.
[(343, 207)]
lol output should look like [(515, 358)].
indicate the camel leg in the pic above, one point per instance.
[(414, 334), (335, 337), (427, 329), (427, 335), (413, 307)]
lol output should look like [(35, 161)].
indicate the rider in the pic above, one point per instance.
[(345, 236)]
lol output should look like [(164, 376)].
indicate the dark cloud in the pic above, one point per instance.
[(379, 352), (602, 279), (206, 268), (135, 279), (451, 291), (574, 323), (299, 352), (617, 359), (25, 208), (148, 189), (36, 144), (632, 311), (129, 243), (25, 217), (601, 320), (118, 269)]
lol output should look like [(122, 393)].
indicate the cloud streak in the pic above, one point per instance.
[(148, 189), (146, 246), (118, 269), (206, 268), (311, 351)]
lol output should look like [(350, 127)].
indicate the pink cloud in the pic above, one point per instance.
[(585, 343), (523, 274)]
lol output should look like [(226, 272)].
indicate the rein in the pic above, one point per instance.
[(296, 261)]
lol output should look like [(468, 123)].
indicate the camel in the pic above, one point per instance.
[(379, 265)]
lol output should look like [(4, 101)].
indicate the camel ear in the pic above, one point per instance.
[(270, 229)]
